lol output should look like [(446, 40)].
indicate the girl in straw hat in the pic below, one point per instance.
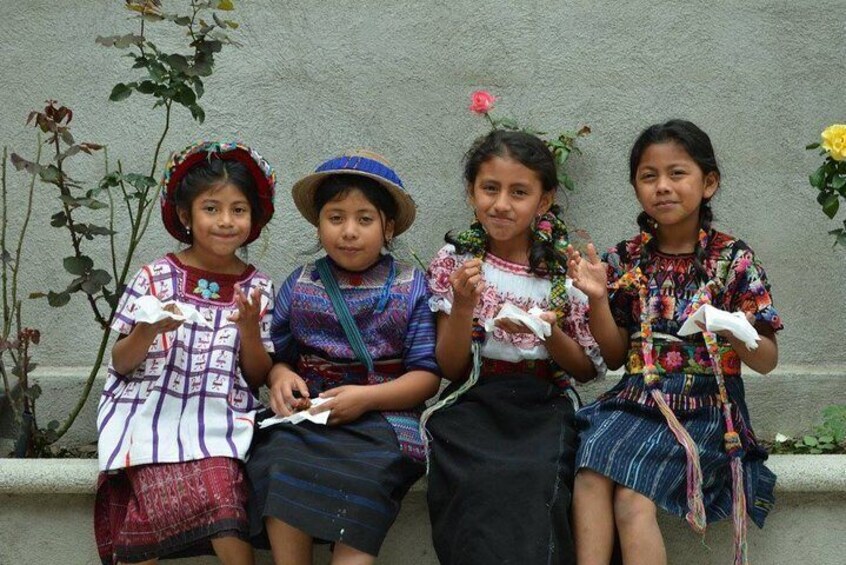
[(176, 417), (354, 337)]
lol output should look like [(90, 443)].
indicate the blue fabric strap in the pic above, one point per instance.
[(343, 313)]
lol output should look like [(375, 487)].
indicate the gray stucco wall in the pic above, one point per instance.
[(763, 78)]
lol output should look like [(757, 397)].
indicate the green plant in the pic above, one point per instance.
[(830, 177), (829, 437), (169, 78)]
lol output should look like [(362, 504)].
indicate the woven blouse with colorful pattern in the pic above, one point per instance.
[(673, 285)]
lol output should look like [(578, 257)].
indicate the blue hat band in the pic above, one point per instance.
[(362, 164)]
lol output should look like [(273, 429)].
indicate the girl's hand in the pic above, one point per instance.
[(512, 327), (160, 327), (347, 403), (283, 382), (727, 335), (588, 273), (467, 285), (248, 316)]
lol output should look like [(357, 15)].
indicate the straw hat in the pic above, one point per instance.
[(362, 163), (182, 161)]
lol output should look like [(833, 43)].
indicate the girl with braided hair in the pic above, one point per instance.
[(674, 432), (501, 438)]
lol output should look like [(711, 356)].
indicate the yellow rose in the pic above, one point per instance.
[(834, 141)]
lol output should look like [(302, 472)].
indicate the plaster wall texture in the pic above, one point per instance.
[(314, 78)]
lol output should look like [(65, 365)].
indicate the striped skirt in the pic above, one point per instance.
[(626, 438), (169, 509), (501, 473), (338, 484)]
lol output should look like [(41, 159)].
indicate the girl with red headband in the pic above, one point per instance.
[(176, 416)]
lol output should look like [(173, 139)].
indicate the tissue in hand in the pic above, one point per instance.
[(530, 319), (151, 310), (716, 320)]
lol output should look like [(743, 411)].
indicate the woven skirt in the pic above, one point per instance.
[(169, 509), (338, 484), (501, 472), (626, 438)]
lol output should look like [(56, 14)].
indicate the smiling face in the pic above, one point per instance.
[(671, 186), (220, 222), (507, 196), (353, 231)]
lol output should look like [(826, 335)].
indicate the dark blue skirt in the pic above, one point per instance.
[(335, 483), (626, 438)]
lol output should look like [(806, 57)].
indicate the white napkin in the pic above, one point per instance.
[(300, 416), (530, 319), (150, 310), (715, 319)]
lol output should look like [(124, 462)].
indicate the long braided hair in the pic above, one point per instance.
[(547, 257), (697, 145)]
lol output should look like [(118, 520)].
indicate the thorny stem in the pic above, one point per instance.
[(4, 222), (111, 216)]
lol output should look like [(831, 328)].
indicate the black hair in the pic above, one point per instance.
[(213, 173), (533, 153), (338, 186), (697, 145)]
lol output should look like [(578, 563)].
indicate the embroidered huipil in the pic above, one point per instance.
[(187, 400), (510, 282), (400, 338)]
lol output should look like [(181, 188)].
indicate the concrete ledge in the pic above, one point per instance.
[(797, 474), (46, 509)]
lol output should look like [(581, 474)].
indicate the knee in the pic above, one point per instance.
[(588, 481), (632, 508)]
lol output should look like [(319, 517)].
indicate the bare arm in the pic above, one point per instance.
[(455, 331), (569, 355), (589, 276), (130, 350), (763, 359), (255, 361)]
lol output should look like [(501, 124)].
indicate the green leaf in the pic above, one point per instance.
[(50, 174), (817, 179), (58, 220), (147, 87), (140, 182), (831, 205), (177, 62), (199, 88), (826, 439), (120, 92), (225, 5), (78, 265), (57, 299), (185, 96), (53, 425), (810, 441), (96, 281), (812, 146), (838, 182), (34, 391), (197, 113)]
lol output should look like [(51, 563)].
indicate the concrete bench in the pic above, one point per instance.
[(46, 517)]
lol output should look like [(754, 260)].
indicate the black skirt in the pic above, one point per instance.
[(335, 483), (501, 474)]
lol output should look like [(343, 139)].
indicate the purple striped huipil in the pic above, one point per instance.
[(187, 400)]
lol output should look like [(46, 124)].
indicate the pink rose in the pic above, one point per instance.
[(481, 102)]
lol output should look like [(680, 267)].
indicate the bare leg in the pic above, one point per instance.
[(289, 545), (233, 551), (346, 555), (637, 521), (593, 518)]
